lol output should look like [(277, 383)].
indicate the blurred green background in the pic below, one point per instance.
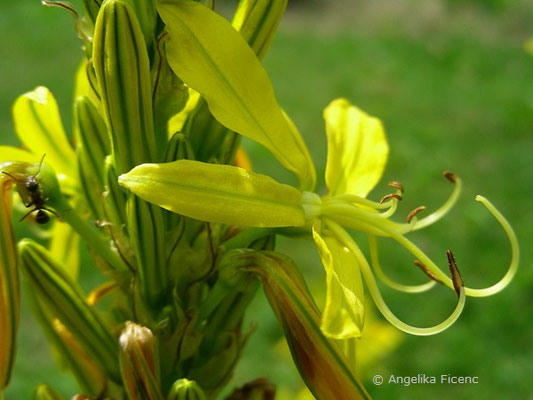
[(453, 84)]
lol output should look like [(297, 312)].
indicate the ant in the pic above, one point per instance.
[(36, 198)]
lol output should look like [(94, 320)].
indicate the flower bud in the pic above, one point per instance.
[(257, 21), (9, 282), (65, 300), (139, 363), (319, 360), (184, 389), (123, 71)]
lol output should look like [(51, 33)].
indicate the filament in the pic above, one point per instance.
[(446, 207), (374, 257), (373, 288)]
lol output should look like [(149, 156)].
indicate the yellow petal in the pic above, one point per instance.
[(39, 128), (344, 312), (9, 153), (217, 193), (357, 149), (210, 56)]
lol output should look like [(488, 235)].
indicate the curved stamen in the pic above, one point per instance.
[(373, 288), (446, 207), (437, 272), (352, 198), (515, 253), (376, 265), (351, 216)]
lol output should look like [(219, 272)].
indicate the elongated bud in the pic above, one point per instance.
[(90, 9), (9, 282), (93, 136), (123, 71), (62, 296), (184, 389), (45, 392), (257, 21), (178, 148), (139, 363), (87, 373), (115, 197), (319, 360), (146, 228), (146, 14)]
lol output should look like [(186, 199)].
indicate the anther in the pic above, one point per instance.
[(454, 271), (450, 176), (390, 196), (396, 185), (426, 271), (413, 213)]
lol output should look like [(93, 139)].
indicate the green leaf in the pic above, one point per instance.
[(217, 193), (210, 56), (39, 128), (344, 312), (357, 149)]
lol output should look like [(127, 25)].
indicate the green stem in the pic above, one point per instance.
[(89, 233)]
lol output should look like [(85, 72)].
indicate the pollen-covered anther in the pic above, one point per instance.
[(396, 185), (450, 176), (389, 197), (426, 270), (454, 271), (414, 213)]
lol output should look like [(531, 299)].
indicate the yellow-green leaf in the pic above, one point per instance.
[(344, 312), (39, 128), (217, 193), (211, 57), (357, 149)]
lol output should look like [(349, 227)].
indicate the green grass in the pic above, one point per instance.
[(456, 97)]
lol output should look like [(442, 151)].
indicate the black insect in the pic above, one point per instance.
[(36, 197)]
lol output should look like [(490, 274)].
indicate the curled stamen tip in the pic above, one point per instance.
[(454, 271), (390, 196), (426, 271), (450, 176), (396, 185), (413, 213)]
